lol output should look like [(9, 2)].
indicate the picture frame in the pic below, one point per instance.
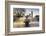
[(11, 6)]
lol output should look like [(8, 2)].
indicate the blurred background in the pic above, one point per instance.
[(2, 17)]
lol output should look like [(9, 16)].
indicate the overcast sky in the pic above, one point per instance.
[(28, 10), (35, 11)]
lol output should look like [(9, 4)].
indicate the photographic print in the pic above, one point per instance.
[(25, 17)]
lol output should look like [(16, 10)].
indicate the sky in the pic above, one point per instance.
[(35, 11), (28, 11)]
